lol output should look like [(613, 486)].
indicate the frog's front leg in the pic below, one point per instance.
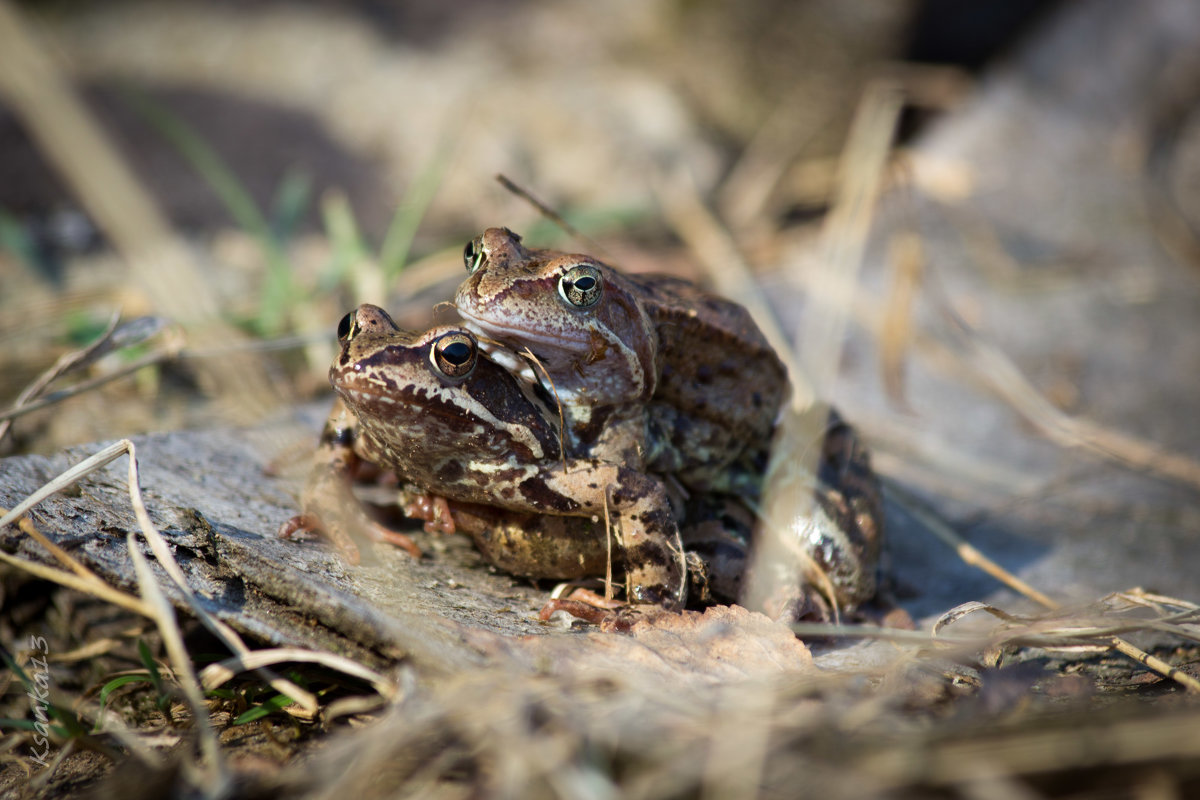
[(328, 504), (647, 535)]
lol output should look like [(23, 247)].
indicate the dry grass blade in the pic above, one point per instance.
[(86, 581), (216, 674), (777, 143), (1057, 748), (66, 363), (843, 244), (969, 554), (896, 334), (167, 561), (62, 556), (975, 558), (73, 581), (213, 774), (40, 96), (896, 635), (67, 478), (171, 351), (996, 370), (861, 175)]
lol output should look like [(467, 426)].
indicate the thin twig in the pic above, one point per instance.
[(67, 362), (547, 212), (157, 357), (972, 556), (921, 512)]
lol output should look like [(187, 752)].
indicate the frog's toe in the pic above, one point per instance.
[(576, 608), (301, 523), (582, 604), (379, 533), (433, 509), (305, 523)]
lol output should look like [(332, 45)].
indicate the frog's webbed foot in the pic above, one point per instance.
[(329, 507), (336, 531), (331, 510), (646, 535), (308, 522), (656, 567), (583, 604), (609, 615)]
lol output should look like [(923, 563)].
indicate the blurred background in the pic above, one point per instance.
[(303, 153), (994, 205), (1018, 344)]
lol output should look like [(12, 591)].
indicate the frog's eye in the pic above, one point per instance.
[(581, 286), (347, 328), (473, 255), (454, 354)]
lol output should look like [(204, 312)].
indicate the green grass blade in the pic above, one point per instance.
[(212, 169), (113, 685), (268, 707), (291, 202), (16, 240), (393, 254)]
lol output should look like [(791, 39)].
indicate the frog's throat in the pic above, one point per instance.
[(556, 358)]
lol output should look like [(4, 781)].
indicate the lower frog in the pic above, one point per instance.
[(431, 408)]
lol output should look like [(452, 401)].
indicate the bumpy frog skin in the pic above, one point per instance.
[(434, 410), (718, 388), (606, 342), (586, 324), (652, 375)]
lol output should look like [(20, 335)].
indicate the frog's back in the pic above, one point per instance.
[(714, 361)]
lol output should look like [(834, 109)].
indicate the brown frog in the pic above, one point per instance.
[(433, 409), (717, 390), (678, 377)]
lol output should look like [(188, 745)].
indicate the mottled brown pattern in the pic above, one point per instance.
[(489, 444), (708, 424), (713, 385)]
